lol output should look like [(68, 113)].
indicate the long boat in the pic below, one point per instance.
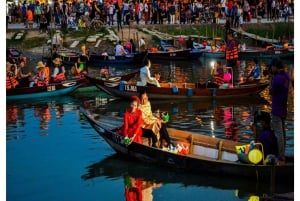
[(167, 51), (69, 57), (177, 90), (178, 55), (98, 59), (202, 153), (251, 52), (53, 89)]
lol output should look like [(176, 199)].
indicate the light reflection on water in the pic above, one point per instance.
[(45, 133)]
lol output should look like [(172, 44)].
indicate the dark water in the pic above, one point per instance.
[(54, 154)]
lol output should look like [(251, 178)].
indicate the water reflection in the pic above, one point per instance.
[(142, 180), (38, 115)]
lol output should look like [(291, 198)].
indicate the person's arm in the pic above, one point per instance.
[(125, 126), (149, 75)]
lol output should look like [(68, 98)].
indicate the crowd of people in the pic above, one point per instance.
[(156, 12)]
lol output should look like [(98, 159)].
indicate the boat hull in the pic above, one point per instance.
[(190, 162), (54, 89), (178, 91), (179, 55), (100, 60)]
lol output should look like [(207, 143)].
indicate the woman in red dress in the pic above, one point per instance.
[(132, 127)]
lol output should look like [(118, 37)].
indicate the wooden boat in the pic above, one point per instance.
[(201, 154), (167, 51), (252, 52), (177, 90), (98, 59), (69, 57), (53, 89), (265, 53), (169, 55)]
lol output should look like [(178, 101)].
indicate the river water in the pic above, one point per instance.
[(52, 153)]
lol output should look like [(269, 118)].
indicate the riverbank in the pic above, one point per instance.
[(35, 42)]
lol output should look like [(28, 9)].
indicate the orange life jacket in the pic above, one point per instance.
[(232, 54), (59, 77), (11, 82), (45, 81)]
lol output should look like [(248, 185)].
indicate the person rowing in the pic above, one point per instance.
[(145, 76)]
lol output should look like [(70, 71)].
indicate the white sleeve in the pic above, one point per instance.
[(149, 75)]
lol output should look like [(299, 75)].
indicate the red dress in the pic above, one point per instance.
[(133, 125), (134, 193)]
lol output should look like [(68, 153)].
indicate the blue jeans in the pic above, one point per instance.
[(278, 124)]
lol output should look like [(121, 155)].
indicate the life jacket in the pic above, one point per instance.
[(11, 82), (45, 81), (218, 80), (60, 76), (232, 53)]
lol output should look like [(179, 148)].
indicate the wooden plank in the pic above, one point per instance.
[(256, 37), (98, 42), (74, 44)]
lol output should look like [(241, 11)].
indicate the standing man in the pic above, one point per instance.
[(231, 51), (279, 89)]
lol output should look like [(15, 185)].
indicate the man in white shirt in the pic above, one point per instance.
[(120, 51), (145, 76), (142, 44)]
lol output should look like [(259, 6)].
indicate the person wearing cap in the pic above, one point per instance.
[(132, 127), (59, 71), (42, 77), (145, 76), (279, 91), (255, 73)]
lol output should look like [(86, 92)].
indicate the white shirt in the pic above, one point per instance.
[(141, 42), (56, 71), (145, 77), (120, 51)]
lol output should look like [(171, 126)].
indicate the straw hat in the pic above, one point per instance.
[(57, 61), (40, 64)]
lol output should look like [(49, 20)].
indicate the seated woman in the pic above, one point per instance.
[(255, 74), (78, 70), (132, 126), (59, 71), (153, 126), (218, 76)]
